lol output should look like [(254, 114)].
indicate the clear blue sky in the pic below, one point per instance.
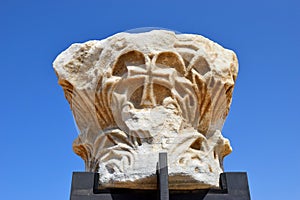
[(37, 128)]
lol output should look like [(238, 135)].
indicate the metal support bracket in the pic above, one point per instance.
[(233, 186), (162, 177)]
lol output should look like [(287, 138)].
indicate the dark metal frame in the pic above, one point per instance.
[(233, 186)]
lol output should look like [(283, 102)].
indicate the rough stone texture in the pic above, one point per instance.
[(135, 95)]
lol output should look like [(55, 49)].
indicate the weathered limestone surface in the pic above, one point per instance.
[(134, 95)]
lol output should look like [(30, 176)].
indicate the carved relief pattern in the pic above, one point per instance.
[(134, 95)]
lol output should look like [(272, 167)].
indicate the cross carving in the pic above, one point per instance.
[(151, 74)]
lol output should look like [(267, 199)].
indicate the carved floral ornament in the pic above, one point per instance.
[(135, 95)]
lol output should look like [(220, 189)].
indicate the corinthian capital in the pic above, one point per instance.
[(134, 95)]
